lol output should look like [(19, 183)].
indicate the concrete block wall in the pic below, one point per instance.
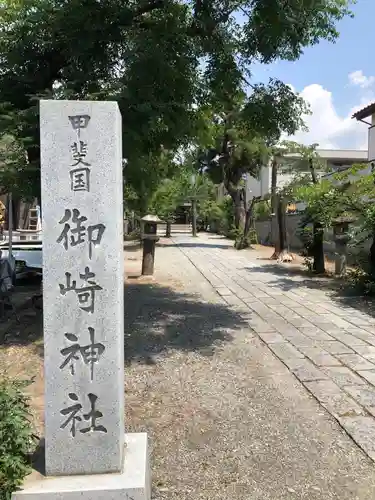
[(267, 232)]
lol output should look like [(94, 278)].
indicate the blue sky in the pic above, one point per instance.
[(322, 76)]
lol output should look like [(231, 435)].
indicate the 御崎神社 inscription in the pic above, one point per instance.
[(76, 235), (89, 354), (85, 293), (83, 286), (74, 415)]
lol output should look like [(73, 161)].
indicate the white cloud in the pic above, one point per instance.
[(327, 127), (359, 79)]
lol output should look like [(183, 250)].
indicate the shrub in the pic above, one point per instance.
[(16, 437)]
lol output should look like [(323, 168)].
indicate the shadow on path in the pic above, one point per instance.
[(196, 245), (158, 318), (339, 291)]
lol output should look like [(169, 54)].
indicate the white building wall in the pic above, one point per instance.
[(258, 187), (335, 159)]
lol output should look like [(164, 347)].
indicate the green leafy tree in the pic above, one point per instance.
[(345, 194), (210, 213), (147, 56), (186, 186), (245, 136), (197, 188), (165, 201)]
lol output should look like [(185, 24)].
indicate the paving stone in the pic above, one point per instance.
[(320, 357), (367, 351), (271, 338), (355, 362), (369, 375), (260, 326), (362, 430), (335, 347), (233, 300), (348, 339), (284, 328), (223, 291), (286, 351), (364, 395), (315, 333), (279, 308), (334, 331), (333, 398), (244, 294), (323, 326), (298, 339), (305, 371), (357, 330), (359, 321), (341, 323), (343, 376), (370, 339), (300, 322)]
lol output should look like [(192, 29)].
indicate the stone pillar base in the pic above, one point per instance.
[(134, 483)]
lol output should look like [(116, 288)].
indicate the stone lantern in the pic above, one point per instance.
[(149, 237), (341, 237)]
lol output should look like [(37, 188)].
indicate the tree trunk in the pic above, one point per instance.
[(273, 186), (194, 217), (283, 254), (239, 209), (318, 234), (317, 248), (372, 257), (274, 205), (242, 241), (249, 221), (281, 224)]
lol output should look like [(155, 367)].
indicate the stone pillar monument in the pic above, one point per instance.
[(87, 453)]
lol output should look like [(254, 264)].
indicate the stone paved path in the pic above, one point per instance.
[(327, 344)]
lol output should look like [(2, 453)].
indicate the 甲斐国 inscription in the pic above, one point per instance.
[(79, 122), (80, 175)]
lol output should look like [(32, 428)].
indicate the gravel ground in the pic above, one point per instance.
[(226, 419)]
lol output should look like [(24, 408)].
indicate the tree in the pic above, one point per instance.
[(147, 55), (278, 205), (314, 213), (246, 134), (165, 200), (346, 194), (186, 185), (197, 188)]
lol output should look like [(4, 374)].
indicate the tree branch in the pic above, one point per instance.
[(156, 4), (136, 16)]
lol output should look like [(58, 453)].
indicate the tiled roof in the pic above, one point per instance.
[(365, 112)]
